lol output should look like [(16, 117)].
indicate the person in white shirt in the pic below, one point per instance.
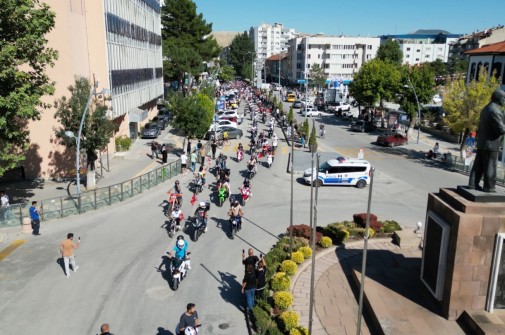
[(5, 213), (184, 162)]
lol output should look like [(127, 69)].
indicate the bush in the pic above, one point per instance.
[(283, 299), (390, 226), (289, 320), (262, 320), (326, 242), (303, 230), (271, 270), (280, 282), (360, 220), (300, 330), (289, 267), (123, 143), (361, 231), (297, 257), (274, 331), (338, 232), (306, 251)]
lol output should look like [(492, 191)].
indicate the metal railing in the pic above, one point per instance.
[(60, 207)]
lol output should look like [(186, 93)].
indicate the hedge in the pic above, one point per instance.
[(283, 299), (289, 267), (297, 257), (280, 282), (289, 320)]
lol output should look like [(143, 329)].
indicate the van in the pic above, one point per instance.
[(340, 171)]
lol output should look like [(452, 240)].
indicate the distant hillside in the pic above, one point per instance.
[(224, 38)]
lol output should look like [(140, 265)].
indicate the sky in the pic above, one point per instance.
[(355, 17)]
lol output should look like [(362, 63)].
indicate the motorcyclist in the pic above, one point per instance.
[(322, 130), (245, 189), (177, 216), (180, 251), (240, 152), (252, 146), (251, 163), (202, 212), (236, 212), (178, 192), (221, 161)]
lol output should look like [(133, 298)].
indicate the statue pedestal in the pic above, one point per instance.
[(460, 233)]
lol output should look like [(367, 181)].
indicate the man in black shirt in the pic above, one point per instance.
[(189, 318), (251, 259)]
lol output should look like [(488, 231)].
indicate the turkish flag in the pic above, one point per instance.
[(260, 155), (193, 199)]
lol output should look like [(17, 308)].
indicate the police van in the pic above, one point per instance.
[(341, 171)]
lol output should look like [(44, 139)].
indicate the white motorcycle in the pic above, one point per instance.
[(178, 270)]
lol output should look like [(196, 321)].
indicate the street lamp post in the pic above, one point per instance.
[(71, 134), (418, 108), (313, 221), (280, 55)]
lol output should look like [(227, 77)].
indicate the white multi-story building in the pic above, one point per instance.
[(424, 46), (339, 56), (270, 39)]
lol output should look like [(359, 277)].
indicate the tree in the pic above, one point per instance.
[(455, 65), (187, 39), (420, 81), (305, 128), (312, 137), (376, 82), (438, 67), (390, 52), (317, 76), (290, 115), (226, 73), (24, 58), (240, 55), (463, 103), (97, 128), (192, 114)]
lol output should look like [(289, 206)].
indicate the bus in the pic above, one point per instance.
[(291, 97)]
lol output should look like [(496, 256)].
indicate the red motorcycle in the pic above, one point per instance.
[(246, 193), (240, 155)]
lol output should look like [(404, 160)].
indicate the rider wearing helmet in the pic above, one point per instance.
[(235, 212), (180, 250), (201, 212), (188, 322), (177, 215)]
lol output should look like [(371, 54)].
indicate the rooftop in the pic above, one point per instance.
[(495, 48)]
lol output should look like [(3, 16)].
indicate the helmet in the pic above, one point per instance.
[(180, 243), (202, 204), (235, 202), (190, 331), (246, 180), (180, 237), (176, 208)]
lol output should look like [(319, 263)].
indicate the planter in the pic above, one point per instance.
[(313, 147)]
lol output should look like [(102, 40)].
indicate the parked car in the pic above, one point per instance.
[(165, 114), (160, 121), (297, 104), (228, 113), (232, 133), (313, 112), (391, 139), (222, 123), (362, 126), (150, 130)]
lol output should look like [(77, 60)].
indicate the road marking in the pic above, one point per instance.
[(146, 169), (8, 250)]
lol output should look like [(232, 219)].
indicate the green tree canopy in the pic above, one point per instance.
[(187, 39), (241, 54), (463, 103), (24, 58), (438, 67), (376, 81), (317, 76), (226, 73), (97, 128), (193, 113), (390, 52)]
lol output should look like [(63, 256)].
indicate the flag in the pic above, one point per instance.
[(260, 155), (193, 199)]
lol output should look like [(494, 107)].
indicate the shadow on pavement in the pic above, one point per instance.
[(61, 263), (163, 331)]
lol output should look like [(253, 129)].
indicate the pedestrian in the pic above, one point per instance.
[(34, 215), (275, 142), (188, 319), (302, 139), (241, 117), (67, 248), (249, 286), (288, 131), (164, 153), (105, 330), (198, 145), (154, 149), (184, 163), (213, 147), (250, 259), (188, 147), (261, 281), (5, 213), (193, 158), (203, 154)]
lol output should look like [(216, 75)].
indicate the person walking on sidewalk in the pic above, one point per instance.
[(203, 154), (67, 248), (34, 215), (154, 149), (164, 153), (188, 147), (213, 147), (193, 159), (249, 286), (184, 162), (5, 211)]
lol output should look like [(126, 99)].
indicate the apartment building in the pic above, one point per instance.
[(116, 42), (340, 56), (475, 40), (424, 46), (270, 39)]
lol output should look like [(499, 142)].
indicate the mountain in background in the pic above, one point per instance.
[(224, 38)]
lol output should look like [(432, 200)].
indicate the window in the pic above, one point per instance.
[(408, 56), (326, 66), (408, 49), (298, 65), (308, 56), (418, 50), (369, 47), (427, 56), (417, 59)]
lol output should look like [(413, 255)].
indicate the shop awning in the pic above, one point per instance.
[(137, 115)]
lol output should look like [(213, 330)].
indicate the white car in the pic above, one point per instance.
[(228, 113), (221, 123), (314, 112)]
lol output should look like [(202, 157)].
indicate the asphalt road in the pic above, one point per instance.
[(122, 247)]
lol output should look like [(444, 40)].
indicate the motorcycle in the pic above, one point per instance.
[(173, 199), (198, 224), (251, 171), (198, 183), (222, 194), (270, 160), (178, 270), (246, 193), (240, 155), (234, 226)]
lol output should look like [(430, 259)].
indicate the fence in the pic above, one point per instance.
[(458, 164), (61, 207)]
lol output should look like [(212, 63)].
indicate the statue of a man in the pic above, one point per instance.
[(491, 128)]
